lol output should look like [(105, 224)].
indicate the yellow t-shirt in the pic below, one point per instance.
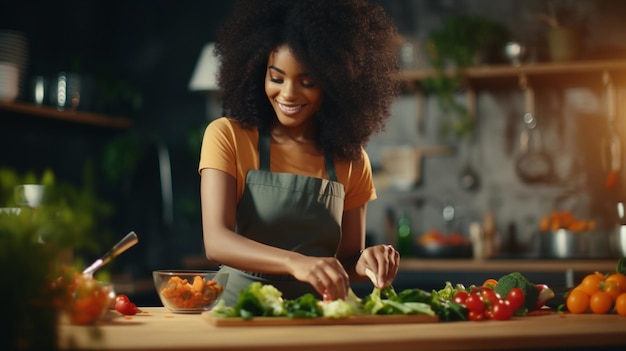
[(228, 147)]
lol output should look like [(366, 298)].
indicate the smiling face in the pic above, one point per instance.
[(293, 92)]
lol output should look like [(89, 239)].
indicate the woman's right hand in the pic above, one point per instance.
[(325, 274)]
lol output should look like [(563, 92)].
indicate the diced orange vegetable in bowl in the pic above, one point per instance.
[(189, 291)]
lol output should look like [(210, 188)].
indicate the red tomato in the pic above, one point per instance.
[(474, 303), (476, 316), (460, 297), (125, 307), (516, 298), (489, 296), (121, 297), (502, 311)]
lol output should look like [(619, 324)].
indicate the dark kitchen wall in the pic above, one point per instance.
[(148, 51)]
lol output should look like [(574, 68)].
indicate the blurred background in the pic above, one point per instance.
[(103, 88)]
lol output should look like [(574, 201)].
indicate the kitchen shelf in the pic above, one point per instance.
[(80, 117), (561, 73)]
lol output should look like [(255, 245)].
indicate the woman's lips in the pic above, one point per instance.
[(290, 109)]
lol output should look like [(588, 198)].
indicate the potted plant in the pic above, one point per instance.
[(566, 22), (34, 244), (464, 41)]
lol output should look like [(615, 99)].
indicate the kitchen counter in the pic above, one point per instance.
[(157, 329), (508, 265)]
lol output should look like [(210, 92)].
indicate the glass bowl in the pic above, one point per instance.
[(189, 291), (88, 300)]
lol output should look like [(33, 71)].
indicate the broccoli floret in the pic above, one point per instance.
[(306, 306), (517, 280)]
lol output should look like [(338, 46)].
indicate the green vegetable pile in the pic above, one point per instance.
[(260, 300), (517, 280), (413, 301)]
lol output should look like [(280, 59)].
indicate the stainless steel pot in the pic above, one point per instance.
[(563, 243), (618, 241)]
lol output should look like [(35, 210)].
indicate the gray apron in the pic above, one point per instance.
[(289, 211)]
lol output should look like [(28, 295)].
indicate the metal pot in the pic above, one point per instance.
[(563, 243), (618, 241)]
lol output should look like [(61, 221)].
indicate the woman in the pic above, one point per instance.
[(285, 179)]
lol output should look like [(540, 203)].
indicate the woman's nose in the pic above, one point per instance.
[(289, 90)]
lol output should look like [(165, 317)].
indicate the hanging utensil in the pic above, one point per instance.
[(469, 178), (533, 164), (126, 243), (612, 145)]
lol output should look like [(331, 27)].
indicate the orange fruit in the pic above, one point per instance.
[(590, 283), (577, 301), (617, 278), (612, 289), (620, 305), (600, 302), (490, 283), (599, 274)]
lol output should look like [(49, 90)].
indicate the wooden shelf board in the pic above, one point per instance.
[(81, 117), (507, 74)]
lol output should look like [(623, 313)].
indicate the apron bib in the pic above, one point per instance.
[(289, 211)]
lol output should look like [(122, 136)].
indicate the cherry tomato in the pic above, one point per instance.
[(460, 297), (516, 298), (126, 307), (476, 316), (502, 310), (121, 297), (474, 303), (489, 296)]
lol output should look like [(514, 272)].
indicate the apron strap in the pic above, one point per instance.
[(264, 149), (330, 167), (264, 155)]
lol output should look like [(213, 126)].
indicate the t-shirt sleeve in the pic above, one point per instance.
[(218, 147), (361, 185)]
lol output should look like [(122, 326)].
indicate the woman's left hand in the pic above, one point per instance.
[(383, 261)]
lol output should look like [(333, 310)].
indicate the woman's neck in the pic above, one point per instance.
[(302, 134)]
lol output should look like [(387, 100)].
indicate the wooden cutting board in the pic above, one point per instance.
[(286, 321)]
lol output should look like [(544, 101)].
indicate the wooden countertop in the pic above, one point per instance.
[(508, 265), (157, 329)]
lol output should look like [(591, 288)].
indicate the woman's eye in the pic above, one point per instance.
[(276, 80), (309, 83)]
